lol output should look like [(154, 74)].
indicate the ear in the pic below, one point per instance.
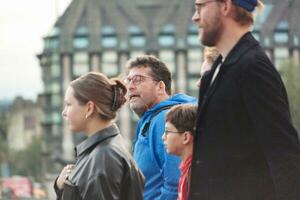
[(188, 138), (226, 7), (90, 108), (161, 87)]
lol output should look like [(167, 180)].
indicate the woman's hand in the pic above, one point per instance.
[(63, 176)]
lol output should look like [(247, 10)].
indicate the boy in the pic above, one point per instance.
[(178, 139)]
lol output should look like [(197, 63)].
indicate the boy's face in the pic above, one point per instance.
[(173, 139)]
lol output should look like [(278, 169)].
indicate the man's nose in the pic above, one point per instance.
[(195, 17)]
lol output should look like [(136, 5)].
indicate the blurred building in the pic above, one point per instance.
[(100, 35), (23, 123)]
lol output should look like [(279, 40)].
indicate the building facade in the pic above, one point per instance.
[(100, 35), (23, 123)]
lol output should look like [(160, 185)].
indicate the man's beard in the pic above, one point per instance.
[(138, 109), (211, 35)]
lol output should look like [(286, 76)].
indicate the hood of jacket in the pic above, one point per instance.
[(178, 98)]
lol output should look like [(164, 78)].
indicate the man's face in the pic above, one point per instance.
[(208, 19), (142, 89)]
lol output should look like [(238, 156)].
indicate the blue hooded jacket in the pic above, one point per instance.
[(161, 170)]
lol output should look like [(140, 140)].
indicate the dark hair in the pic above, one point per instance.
[(183, 117), (159, 70), (107, 94)]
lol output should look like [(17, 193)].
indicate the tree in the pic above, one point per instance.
[(291, 77), (3, 138), (28, 162)]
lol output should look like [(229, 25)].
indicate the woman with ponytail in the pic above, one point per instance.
[(104, 169)]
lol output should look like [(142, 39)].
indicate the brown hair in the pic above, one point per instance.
[(183, 117), (159, 70), (244, 17), (107, 94)]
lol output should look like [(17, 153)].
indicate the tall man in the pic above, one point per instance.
[(149, 90), (245, 145)]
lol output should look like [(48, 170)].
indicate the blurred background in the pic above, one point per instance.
[(47, 43)]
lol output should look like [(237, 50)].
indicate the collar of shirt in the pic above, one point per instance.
[(185, 164), (96, 138)]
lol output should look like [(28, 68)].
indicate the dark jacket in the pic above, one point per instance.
[(245, 146), (104, 170)]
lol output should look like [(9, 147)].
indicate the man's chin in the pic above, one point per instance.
[(137, 108)]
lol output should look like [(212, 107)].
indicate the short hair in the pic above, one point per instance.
[(244, 17), (159, 70), (183, 117), (107, 94), (211, 54)]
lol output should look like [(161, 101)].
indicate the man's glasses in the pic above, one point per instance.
[(200, 6), (136, 79)]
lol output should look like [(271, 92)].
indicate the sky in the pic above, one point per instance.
[(23, 24)]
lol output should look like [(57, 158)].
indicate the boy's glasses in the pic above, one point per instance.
[(169, 131)]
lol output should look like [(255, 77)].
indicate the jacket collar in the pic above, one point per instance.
[(96, 138), (246, 42)]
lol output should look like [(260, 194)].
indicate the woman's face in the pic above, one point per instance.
[(74, 113)]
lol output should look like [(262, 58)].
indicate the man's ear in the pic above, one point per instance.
[(188, 137), (90, 108), (226, 7), (161, 87)]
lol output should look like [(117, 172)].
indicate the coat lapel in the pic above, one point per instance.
[(207, 90)]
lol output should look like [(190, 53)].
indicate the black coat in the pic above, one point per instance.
[(104, 170), (245, 146)]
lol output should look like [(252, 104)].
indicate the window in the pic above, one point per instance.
[(138, 41), (81, 31), (109, 41), (166, 37), (261, 18), (80, 42), (194, 61), (281, 37), (296, 41), (56, 118), (54, 32), (166, 40), (55, 66), (193, 37), (55, 87), (80, 65), (137, 38), (56, 100), (51, 43), (267, 41), (109, 63), (108, 37), (169, 58), (136, 53), (29, 122), (280, 55), (108, 30)]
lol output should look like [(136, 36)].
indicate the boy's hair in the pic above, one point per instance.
[(183, 117)]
